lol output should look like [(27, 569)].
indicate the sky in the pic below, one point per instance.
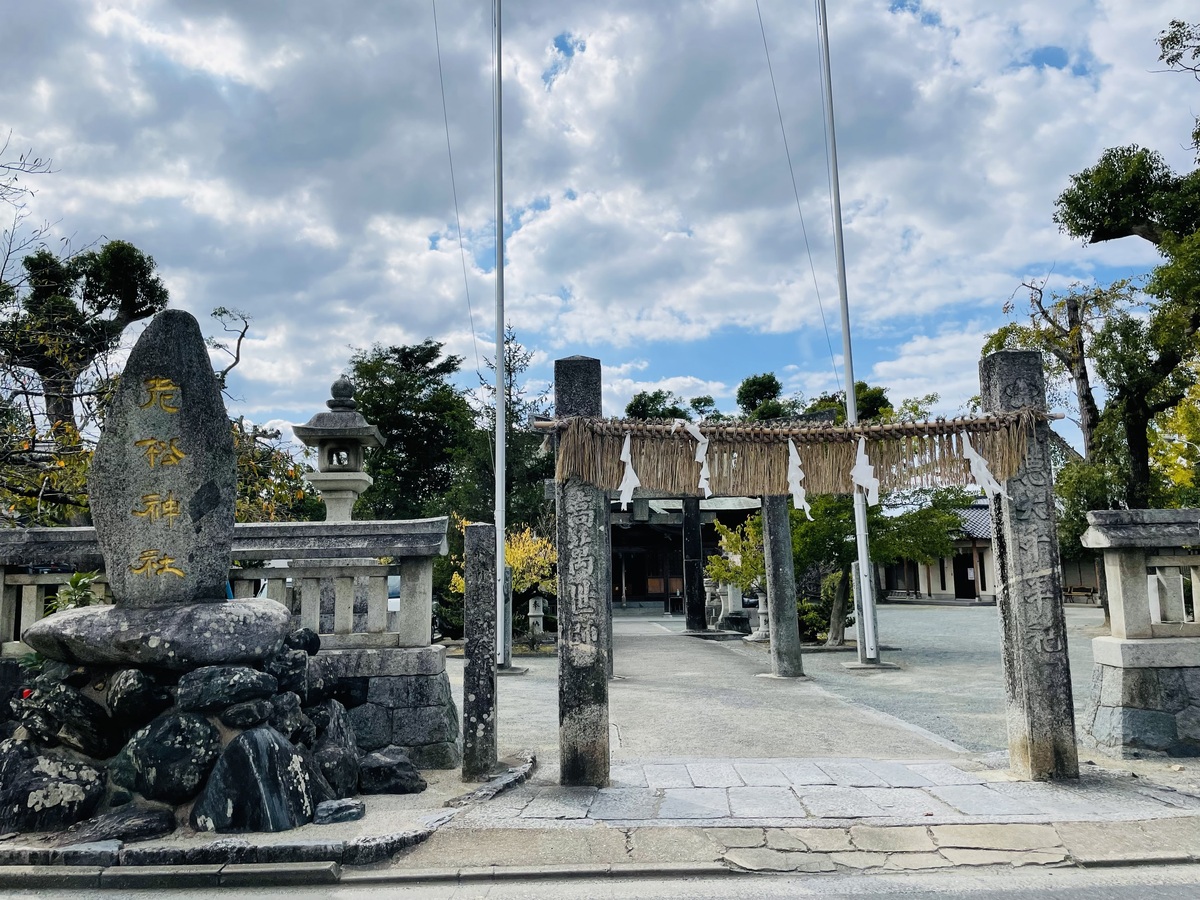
[(289, 159)]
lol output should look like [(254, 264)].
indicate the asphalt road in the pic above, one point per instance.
[(1146, 883)]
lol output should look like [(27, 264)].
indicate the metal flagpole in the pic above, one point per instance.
[(501, 393), (866, 586)]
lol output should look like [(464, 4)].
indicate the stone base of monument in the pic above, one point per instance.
[(180, 637), (405, 702), (132, 750), (1145, 696)]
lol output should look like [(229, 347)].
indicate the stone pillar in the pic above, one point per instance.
[(732, 602), (583, 595), (608, 586), (693, 566), (781, 588), (479, 673), (506, 636), (1040, 713), (412, 622)]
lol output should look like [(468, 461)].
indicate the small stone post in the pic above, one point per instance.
[(479, 673), (693, 566), (1041, 716), (506, 636), (584, 597), (781, 589)]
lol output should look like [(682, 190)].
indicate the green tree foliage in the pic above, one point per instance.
[(705, 408), (1179, 46), (917, 525), (405, 391), (660, 404), (761, 399), (1063, 328), (69, 313), (270, 482), (472, 493), (873, 403), (741, 560)]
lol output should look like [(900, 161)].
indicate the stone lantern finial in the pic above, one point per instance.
[(340, 437)]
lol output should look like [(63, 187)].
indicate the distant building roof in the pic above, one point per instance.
[(976, 520)]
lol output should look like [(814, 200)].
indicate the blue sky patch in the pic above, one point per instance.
[(1049, 57), (564, 48), (914, 7)]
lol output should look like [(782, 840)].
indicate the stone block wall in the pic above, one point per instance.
[(1146, 708), (401, 697)]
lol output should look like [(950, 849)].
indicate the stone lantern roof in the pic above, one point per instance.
[(340, 436), (343, 420)]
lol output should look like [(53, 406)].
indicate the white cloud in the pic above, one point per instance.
[(294, 165)]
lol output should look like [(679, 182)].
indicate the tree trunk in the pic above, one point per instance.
[(1137, 421), (837, 615), (58, 390), (1089, 414)]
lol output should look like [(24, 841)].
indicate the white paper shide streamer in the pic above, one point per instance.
[(795, 477), (979, 470), (629, 480), (863, 474), (701, 451)]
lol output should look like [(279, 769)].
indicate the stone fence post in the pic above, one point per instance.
[(479, 672), (584, 595), (781, 589), (1037, 676)]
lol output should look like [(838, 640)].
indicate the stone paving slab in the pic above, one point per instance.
[(803, 772), (625, 804), (908, 803), (714, 775), (694, 803), (761, 775), (896, 774), (852, 774), (764, 803), (836, 802), (668, 776), (981, 800), (945, 774), (560, 803), (1163, 840)]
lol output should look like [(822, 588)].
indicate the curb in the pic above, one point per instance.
[(246, 875)]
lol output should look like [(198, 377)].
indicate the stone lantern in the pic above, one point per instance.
[(340, 437)]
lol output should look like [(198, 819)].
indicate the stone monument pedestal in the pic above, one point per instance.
[(408, 702), (179, 637)]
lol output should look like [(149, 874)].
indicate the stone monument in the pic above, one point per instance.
[(175, 704), (161, 487)]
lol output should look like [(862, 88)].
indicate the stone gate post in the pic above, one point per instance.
[(584, 596), (693, 566), (781, 588), (479, 671), (1037, 677)]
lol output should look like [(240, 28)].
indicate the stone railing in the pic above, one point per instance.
[(329, 575), (1147, 679)]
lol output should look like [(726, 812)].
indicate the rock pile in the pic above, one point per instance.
[(222, 748)]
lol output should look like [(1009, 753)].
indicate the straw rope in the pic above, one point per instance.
[(751, 460)]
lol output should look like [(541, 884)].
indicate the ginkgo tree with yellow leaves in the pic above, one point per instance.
[(533, 560)]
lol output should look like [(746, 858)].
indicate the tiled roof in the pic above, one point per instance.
[(976, 521)]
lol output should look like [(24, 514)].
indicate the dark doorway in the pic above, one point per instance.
[(964, 577)]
